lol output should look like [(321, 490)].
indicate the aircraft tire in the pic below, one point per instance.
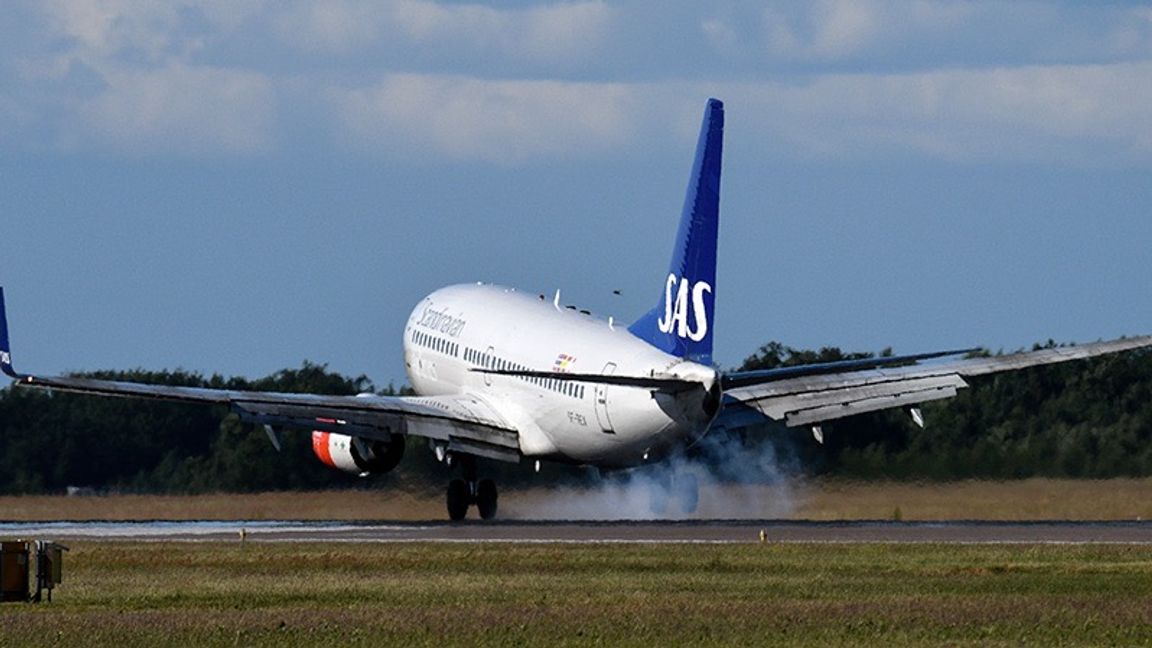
[(458, 500), (486, 499)]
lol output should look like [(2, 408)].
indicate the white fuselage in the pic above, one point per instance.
[(458, 329)]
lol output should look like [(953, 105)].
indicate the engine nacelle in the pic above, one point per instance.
[(358, 456)]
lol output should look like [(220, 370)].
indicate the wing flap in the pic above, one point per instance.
[(482, 449), (852, 405), (836, 400)]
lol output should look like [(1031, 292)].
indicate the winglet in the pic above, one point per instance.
[(681, 323), (5, 348)]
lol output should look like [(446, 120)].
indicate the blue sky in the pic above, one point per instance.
[(235, 187)]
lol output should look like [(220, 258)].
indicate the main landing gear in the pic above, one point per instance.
[(463, 493)]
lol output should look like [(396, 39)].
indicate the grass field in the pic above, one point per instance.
[(1030, 499), (257, 594)]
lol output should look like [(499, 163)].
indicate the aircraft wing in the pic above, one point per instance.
[(798, 397), (461, 423)]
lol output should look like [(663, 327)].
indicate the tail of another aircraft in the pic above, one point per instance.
[(5, 347), (681, 322)]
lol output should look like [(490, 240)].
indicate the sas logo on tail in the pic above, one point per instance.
[(676, 318), (5, 358)]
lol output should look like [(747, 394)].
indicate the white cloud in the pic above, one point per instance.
[(548, 32), (119, 76), (832, 30), (1050, 114), (338, 26), (500, 121), (99, 31), (826, 29), (215, 77), (720, 34), (844, 26), (179, 109), (1133, 35), (564, 30)]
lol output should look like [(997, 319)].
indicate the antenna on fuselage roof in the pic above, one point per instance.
[(556, 299)]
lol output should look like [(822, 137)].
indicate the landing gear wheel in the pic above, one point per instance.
[(458, 499), (486, 499), (687, 492)]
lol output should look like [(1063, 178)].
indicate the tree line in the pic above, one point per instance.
[(1083, 419)]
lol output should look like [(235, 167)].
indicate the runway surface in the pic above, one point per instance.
[(700, 531)]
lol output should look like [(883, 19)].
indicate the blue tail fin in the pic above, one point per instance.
[(5, 349), (681, 322)]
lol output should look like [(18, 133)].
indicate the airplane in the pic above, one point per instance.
[(506, 375)]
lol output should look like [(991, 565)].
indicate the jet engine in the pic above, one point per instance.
[(357, 455)]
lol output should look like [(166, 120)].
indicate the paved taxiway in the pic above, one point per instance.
[(730, 531)]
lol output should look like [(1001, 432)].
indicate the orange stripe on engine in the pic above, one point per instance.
[(320, 447)]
